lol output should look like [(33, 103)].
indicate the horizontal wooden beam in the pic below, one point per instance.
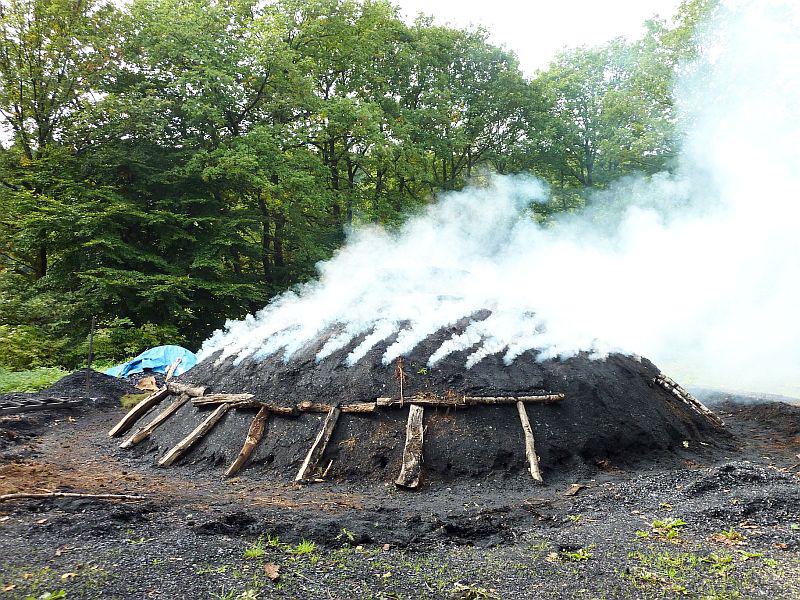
[(181, 388), (434, 400)]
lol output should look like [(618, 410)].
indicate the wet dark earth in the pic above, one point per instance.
[(723, 523)]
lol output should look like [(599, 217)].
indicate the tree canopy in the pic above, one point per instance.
[(169, 164)]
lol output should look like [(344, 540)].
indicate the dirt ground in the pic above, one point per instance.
[(726, 524)]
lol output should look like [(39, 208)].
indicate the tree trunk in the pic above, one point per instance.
[(277, 247), (266, 238), (40, 264)]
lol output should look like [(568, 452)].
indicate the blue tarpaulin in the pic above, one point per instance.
[(156, 359)]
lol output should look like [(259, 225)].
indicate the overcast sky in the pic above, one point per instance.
[(537, 29)]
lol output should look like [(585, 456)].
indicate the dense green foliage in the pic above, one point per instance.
[(174, 163)]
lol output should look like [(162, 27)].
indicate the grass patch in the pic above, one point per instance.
[(29, 381), (131, 400)]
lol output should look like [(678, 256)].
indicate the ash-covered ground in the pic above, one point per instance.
[(722, 522)]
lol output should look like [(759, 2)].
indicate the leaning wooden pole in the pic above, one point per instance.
[(411, 468), (190, 440), (530, 448), (254, 435), (165, 414), (138, 411), (319, 445)]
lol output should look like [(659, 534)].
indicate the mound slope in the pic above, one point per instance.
[(613, 409)]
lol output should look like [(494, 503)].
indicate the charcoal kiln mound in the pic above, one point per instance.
[(306, 419)]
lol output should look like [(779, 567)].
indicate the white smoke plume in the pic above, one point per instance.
[(698, 270)]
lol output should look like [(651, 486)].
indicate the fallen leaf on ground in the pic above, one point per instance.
[(67, 576), (9, 587), (272, 571), (574, 489), (147, 384)]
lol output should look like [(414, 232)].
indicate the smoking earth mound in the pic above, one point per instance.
[(616, 409)]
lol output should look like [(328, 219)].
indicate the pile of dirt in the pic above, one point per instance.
[(77, 391), (85, 383), (614, 413)]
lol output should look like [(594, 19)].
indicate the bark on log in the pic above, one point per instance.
[(137, 411), (235, 400), (165, 414), (673, 387), (432, 400), (172, 367), (181, 388), (360, 407), (41, 495), (411, 468), (181, 447), (319, 445), (356, 407), (254, 435), (530, 448)]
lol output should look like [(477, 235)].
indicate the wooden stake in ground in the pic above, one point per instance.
[(254, 436), (412, 453), (137, 412), (165, 414), (319, 445), (530, 448), (400, 375), (181, 447)]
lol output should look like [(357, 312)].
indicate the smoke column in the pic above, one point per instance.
[(698, 270)]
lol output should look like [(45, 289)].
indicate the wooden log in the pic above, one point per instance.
[(687, 398), (181, 388), (411, 468), (254, 435), (172, 367), (42, 495), (356, 407), (433, 400), (320, 443), (165, 414), (285, 411), (237, 400), (360, 407), (308, 406), (137, 412), (530, 448), (183, 446)]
